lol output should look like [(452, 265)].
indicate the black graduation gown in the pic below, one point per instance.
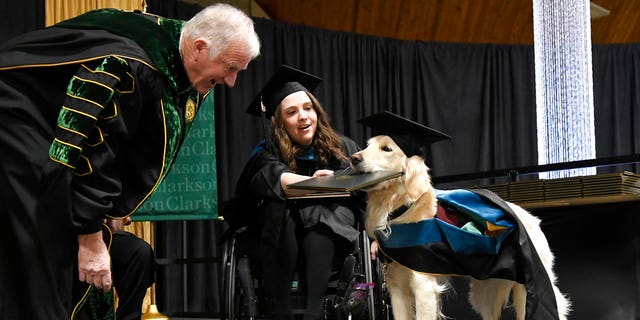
[(262, 204), (49, 196)]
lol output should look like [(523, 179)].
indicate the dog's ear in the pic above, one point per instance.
[(416, 175)]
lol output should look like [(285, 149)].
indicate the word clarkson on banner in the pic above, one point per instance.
[(189, 191)]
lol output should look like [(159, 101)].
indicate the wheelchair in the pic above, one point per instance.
[(356, 291)]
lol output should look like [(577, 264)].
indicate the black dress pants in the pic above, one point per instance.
[(133, 269)]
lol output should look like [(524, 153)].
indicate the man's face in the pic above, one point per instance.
[(205, 73)]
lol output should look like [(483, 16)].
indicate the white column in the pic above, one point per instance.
[(564, 83)]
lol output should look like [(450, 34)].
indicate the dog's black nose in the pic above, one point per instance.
[(356, 158)]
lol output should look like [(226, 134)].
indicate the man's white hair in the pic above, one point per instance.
[(219, 25)]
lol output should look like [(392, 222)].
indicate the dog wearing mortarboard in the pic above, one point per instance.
[(429, 234)]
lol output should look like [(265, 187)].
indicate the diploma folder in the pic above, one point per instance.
[(345, 182)]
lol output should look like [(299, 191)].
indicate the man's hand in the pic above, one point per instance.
[(94, 263), (117, 224)]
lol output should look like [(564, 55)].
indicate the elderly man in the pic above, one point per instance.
[(94, 110)]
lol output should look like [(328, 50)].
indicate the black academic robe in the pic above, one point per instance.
[(92, 119), (261, 204)]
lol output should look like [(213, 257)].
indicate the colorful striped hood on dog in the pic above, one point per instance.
[(475, 233)]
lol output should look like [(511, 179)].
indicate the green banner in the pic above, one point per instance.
[(189, 191)]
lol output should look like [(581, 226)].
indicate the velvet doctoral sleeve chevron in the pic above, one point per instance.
[(89, 96)]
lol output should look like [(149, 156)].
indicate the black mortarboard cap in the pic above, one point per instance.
[(410, 136), (284, 82)]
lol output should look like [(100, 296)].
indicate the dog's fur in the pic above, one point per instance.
[(416, 295)]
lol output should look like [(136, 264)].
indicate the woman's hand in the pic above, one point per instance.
[(373, 250), (322, 172), (288, 178)]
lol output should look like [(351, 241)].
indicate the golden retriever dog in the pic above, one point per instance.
[(416, 295)]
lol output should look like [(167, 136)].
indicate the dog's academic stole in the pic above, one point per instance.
[(452, 245)]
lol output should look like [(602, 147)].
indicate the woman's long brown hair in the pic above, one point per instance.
[(326, 142)]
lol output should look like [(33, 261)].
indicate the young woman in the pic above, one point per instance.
[(315, 232)]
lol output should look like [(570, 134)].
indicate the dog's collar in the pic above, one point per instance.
[(399, 211)]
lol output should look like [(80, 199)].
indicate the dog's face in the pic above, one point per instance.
[(382, 153)]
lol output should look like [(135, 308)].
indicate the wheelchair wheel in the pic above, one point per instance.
[(228, 290), (378, 300), (359, 292), (238, 298), (382, 303)]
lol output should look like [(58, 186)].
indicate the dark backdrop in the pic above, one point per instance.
[(18, 17), (481, 95)]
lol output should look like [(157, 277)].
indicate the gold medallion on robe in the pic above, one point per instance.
[(190, 110)]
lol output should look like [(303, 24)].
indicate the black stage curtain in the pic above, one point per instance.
[(616, 82), (481, 95), (17, 17)]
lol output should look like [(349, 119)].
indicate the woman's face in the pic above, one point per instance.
[(299, 117)]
